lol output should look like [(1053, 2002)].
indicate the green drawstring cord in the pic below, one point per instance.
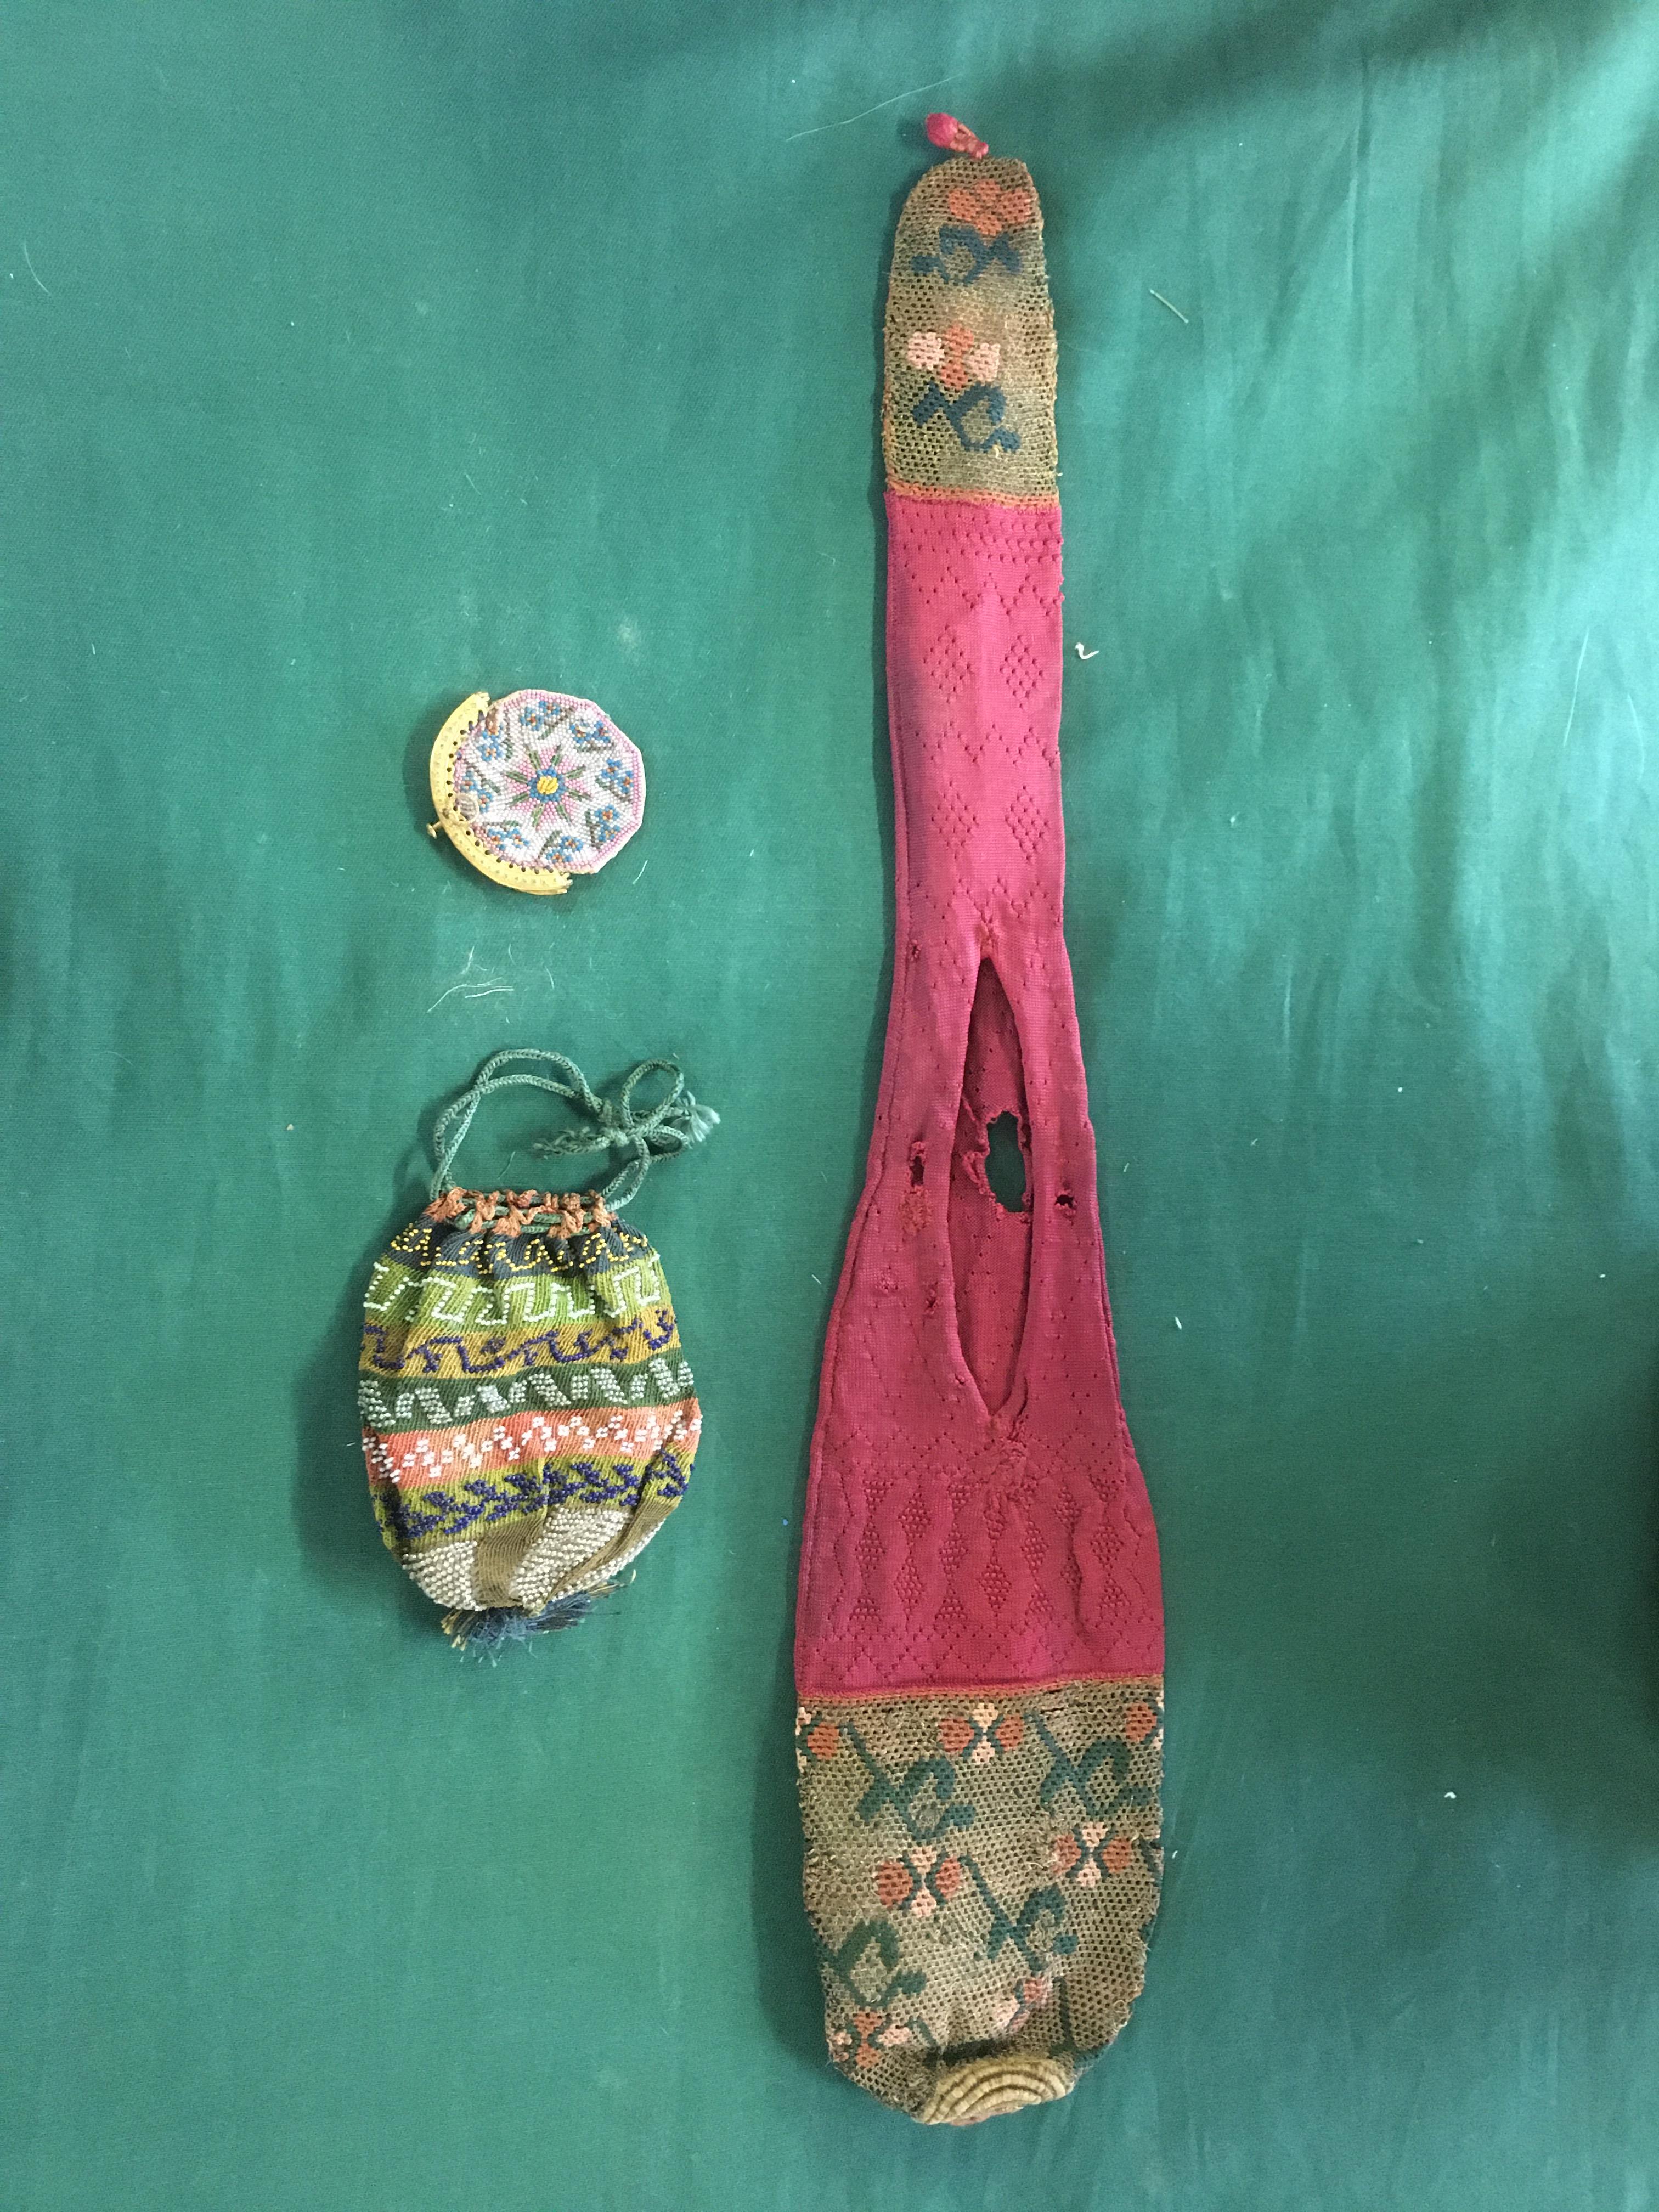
[(676, 1122)]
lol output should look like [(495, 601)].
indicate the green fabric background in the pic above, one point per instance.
[(357, 353)]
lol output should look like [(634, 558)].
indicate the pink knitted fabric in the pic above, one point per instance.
[(978, 1641), (959, 1531)]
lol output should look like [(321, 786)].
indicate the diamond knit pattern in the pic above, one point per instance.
[(951, 1542)]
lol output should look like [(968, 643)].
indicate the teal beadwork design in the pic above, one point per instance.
[(546, 780)]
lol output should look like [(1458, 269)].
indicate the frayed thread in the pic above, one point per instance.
[(488, 1633)]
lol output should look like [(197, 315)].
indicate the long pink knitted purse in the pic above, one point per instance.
[(978, 1641)]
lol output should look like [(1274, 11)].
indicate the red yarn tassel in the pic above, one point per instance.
[(954, 137)]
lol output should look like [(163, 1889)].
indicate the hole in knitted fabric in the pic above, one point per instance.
[(990, 1224), (1064, 1200), (1005, 1162), (913, 1206)]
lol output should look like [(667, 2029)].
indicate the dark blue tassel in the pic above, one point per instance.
[(489, 1633)]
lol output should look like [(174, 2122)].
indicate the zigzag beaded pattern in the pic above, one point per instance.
[(446, 1402), (445, 1511), (511, 1461)]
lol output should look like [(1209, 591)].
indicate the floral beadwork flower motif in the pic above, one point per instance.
[(548, 783), (537, 713), (980, 217), (961, 368), (871, 2033), (919, 1883), (981, 1733), (618, 778), (1011, 2010), (492, 743), (589, 728), (1086, 1852), (473, 778), (989, 207), (819, 1738), (956, 356)]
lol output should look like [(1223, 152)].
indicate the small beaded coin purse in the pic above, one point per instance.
[(536, 788), (529, 1417)]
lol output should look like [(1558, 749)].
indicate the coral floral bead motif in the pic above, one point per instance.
[(991, 207), (955, 356), (536, 788), (980, 1735), (961, 369)]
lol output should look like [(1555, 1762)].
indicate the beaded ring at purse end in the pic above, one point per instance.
[(535, 788), (529, 1417)]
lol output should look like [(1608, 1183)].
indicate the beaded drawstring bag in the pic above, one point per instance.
[(529, 1416)]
